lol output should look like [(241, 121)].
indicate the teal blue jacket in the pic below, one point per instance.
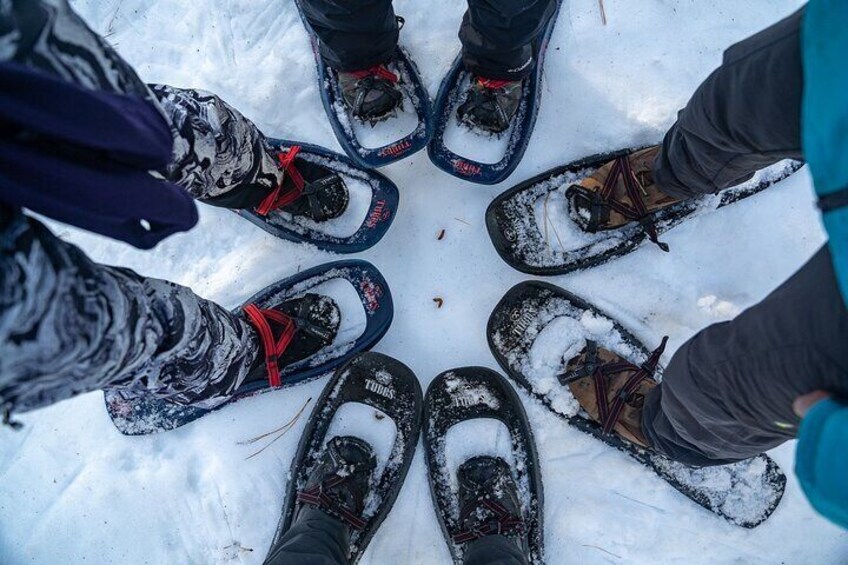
[(822, 457)]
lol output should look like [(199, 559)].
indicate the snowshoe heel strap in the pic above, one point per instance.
[(261, 320), (317, 497)]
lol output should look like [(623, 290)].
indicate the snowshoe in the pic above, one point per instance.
[(536, 331), (330, 202), (481, 494), (490, 104), (311, 329), (371, 95), (399, 133), (454, 94), (559, 222), (392, 390)]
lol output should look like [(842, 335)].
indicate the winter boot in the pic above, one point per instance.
[(372, 94), (488, 502), (340, 481), (490, 104), (619, 192), (304, 189), (291, 332), (612, 390)]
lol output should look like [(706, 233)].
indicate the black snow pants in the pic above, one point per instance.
[(727, 393), (316, 538), (69, 325), (497, 35)]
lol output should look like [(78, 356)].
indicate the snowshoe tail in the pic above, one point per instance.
[(476, 392), (521, 241), (450, 96), (382, 383), (757, 484), (382, 207), (140, 414)]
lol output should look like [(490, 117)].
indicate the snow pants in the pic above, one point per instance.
[(497, 35), (69, 325), (316, 538), (727, 393)]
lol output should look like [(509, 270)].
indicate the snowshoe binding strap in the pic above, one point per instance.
[(502, 521), (610, 412), (279, 198), (273, 348), (602, 201), (317, 496)]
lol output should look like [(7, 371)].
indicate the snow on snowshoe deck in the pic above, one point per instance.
[(467, 393), (450, 96), (531, 228), (388, 386), (402, 144), (537, 327), (139, 414), (371, 210)]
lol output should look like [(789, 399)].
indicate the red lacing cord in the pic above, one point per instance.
[(318, 497), (503, 522), (261, 320), (276, 198), (493, 83), (379, 71)]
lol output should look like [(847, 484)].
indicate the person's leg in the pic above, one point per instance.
[(70, 326), (315, 538), (498, 36), (494, 550), (744, 117), (727, 393), (353, 34)]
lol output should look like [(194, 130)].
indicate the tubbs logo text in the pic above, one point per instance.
[(382, 390), (466, 168), (380, 213), (372, 293), (466, 399), (396, 149)]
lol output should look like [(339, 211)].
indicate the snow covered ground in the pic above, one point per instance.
[(73, 490)]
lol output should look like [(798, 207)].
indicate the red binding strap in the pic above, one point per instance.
[(379, 71), (493, 83), (503, 522), (276, 198), (261, 320)]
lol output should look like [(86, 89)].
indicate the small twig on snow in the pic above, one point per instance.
[(603, 12)]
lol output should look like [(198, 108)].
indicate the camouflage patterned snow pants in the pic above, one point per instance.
[(69, 325)]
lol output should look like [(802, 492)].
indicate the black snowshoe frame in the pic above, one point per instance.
[(383, 383), (515, 233), (477, 392), (513, 320), (136, 414)]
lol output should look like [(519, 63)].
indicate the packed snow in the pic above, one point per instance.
[(73, 490)]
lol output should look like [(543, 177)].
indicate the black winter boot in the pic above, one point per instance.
[(372, 94), (490, 104), (340, 481), (489, 504)]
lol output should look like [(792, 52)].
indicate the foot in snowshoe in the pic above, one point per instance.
[(488, 502), (306, 189), (291, 332), (372, 94), (619, 192), (490, 104), (611, 390), (340, 481)]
